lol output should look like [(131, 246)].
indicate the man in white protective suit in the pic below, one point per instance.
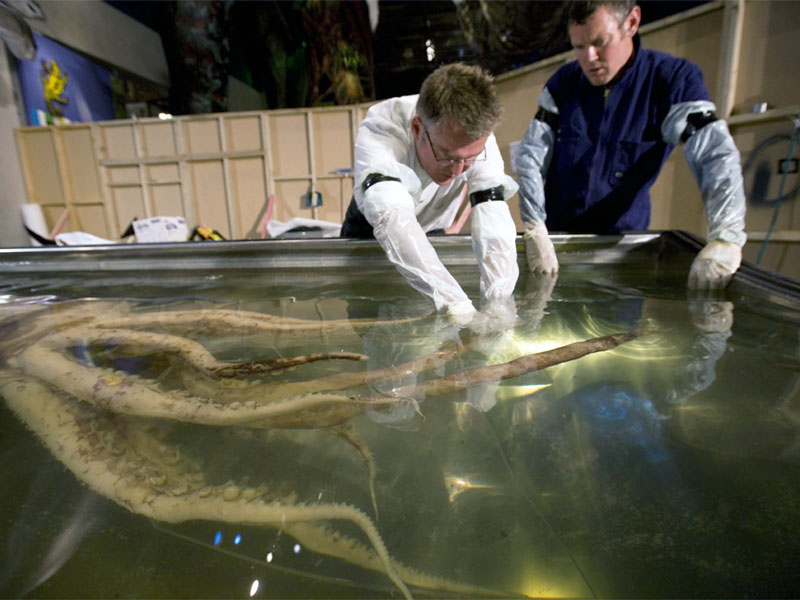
[(414, 155)]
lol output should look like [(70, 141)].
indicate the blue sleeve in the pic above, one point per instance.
[(686, 83), (563, 82)]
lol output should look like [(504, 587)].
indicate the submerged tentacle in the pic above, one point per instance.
[(275, 365), (124, 393), (95, 423), (519, 366), (309, 536), (216, 320), (194, 353), (346, 433), (25, 324), (210, 387), (122, 459)]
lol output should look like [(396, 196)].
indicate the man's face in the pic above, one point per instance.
[(444, 151), (602, 45)]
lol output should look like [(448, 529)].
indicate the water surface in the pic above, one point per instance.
[(668, 467)]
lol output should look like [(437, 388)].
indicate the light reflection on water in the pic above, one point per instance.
[(668, 467)]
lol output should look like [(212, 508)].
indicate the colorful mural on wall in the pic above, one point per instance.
[(61, 86)]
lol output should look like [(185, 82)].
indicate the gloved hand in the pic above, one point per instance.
[(539, 249), (714, 265), (461, 312)]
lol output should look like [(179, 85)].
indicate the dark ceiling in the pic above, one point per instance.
[(457, 32), (498, 34)]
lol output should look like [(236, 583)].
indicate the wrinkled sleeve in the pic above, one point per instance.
[(493, 230), (711, 154), (715, 163), (381, 147), (533, 161)]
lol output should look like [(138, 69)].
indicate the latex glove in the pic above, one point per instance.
[(461, 312), (714, 265), (539, 249)]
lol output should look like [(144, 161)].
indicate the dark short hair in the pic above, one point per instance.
[(578, 11), (464, 93)]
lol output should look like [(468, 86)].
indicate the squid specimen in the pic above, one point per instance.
[(110, 427)]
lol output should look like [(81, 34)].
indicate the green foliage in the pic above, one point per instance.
[(349, 57)]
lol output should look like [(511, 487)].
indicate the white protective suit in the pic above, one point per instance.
[(401, 212)]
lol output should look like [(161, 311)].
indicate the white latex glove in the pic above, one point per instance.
[(461, 312), (714, 265), (539, 249)]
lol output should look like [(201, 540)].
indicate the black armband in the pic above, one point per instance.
[(374, 178), (495, 193), (548, 117), (696, 121)]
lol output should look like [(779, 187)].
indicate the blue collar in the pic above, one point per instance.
[(637, 43)]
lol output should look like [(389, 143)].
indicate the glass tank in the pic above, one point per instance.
[(289, 419)]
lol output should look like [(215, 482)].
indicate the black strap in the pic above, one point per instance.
[(374, 178), (42, 240), (495, 193), (696, 121), (548, 117), (355, 224)]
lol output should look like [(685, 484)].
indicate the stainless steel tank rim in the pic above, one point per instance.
[(343, 253), (257, 251)]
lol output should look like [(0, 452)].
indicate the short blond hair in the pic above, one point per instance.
[(463, 93)]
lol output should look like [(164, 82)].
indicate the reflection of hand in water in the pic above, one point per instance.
[(394, 343), (532, 306), (461, 313), (538, 292), (495, 315), (713, 320), (496, 337), (711, 316)]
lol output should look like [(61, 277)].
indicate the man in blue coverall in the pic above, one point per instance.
[(606, 124)]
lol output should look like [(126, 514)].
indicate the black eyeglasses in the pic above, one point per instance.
[(452, 162)]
